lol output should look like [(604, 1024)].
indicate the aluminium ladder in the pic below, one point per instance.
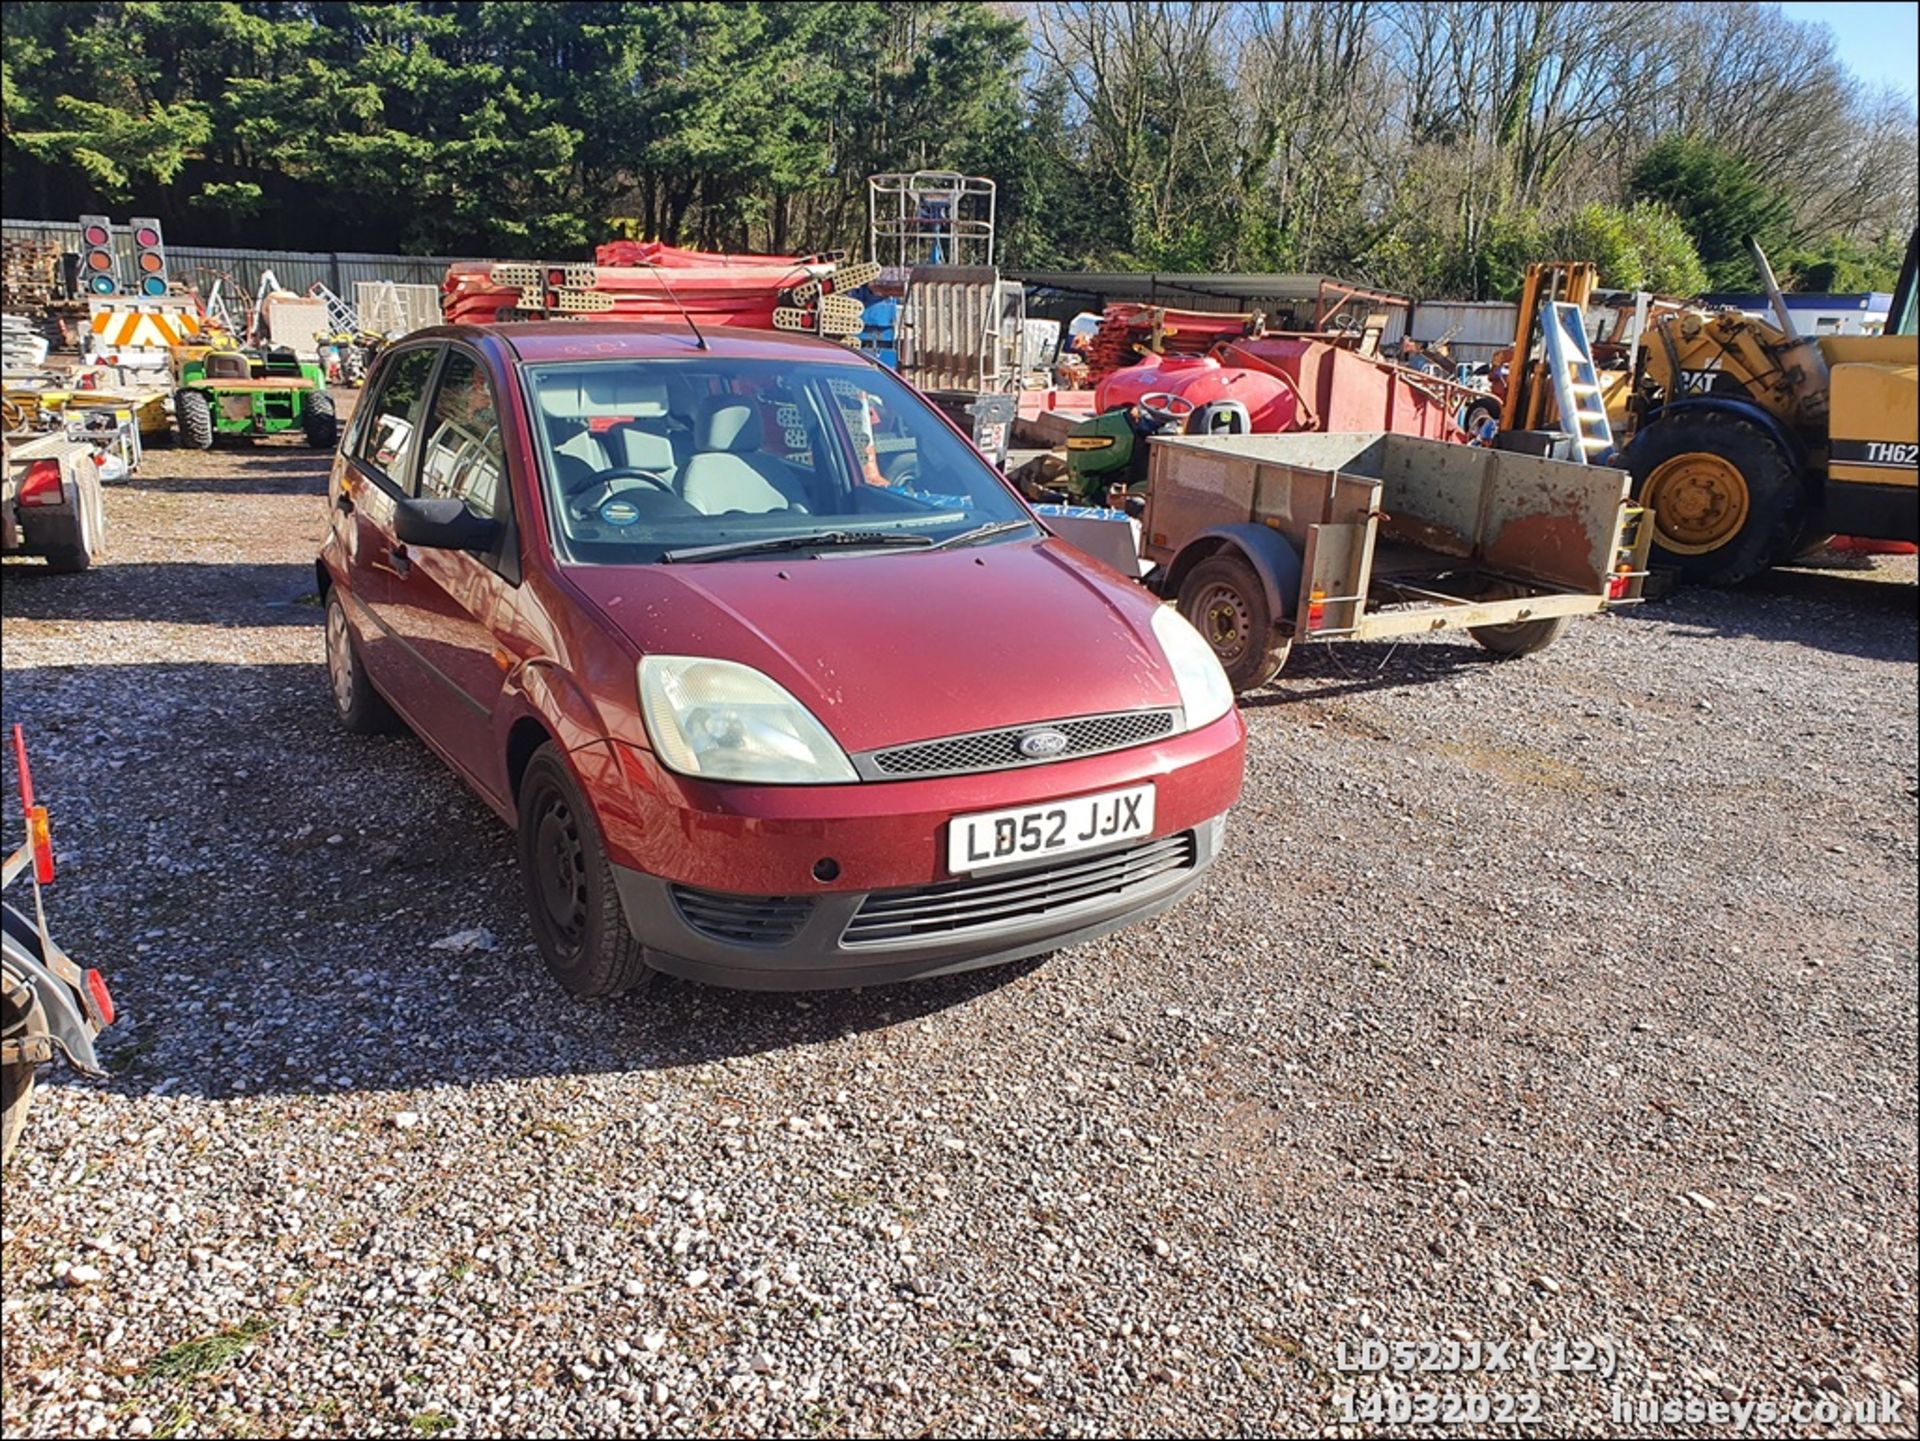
[(1576, 381)]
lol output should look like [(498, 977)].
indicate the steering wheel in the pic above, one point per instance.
[(601, 490), (1165, 408)]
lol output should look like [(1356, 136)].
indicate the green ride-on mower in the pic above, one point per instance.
[(1108, 452), (239, 392)]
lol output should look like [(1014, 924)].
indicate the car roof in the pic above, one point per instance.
[(550, 340)]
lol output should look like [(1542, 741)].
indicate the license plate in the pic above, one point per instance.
[(991, 839)]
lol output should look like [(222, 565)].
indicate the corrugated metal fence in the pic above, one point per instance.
[(1478, 327), (296, 270)]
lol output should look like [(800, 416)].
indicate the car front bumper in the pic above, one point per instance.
[(839, 939), (724, 883)]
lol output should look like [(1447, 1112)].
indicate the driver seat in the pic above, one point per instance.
[(728, 471)]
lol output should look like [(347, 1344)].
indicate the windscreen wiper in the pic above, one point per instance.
[(817, 540), (982, 532)]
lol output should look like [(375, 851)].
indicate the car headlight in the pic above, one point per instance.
[(722, 721), (1205, 692)]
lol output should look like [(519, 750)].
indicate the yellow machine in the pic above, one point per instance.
[(1752, 441)]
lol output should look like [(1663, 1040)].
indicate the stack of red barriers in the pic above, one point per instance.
[(631, 280), (1126, 327)]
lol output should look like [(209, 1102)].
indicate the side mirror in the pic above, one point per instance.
[(444, 524)]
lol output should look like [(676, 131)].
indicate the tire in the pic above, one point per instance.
[(1521, 637), (361, 709), (1728, 501), (318, 420), (193, 419), (16, 1081), (1478, 413), (571, 899), (1223, 599)]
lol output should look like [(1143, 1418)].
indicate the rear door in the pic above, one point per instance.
[(379, 464), (448, 604)]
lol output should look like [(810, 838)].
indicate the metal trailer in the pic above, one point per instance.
[(1271, 539), (50, 502)]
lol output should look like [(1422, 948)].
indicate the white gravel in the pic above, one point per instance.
[(1568, 998)]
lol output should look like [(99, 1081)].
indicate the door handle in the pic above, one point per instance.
[(401, 561), (343, 503)]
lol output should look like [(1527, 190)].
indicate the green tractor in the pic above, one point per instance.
[(239, 392)]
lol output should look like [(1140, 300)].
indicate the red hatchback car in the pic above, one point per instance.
[(778, 681)]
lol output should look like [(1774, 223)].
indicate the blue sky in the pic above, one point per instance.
[(1877, 40)]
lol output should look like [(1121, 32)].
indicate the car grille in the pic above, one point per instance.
[(743, 920), (959, 906), (1000, 749)]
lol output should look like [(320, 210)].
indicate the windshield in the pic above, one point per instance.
[(645, 460)]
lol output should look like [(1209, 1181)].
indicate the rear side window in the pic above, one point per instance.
[(462, 458), (389, 436)]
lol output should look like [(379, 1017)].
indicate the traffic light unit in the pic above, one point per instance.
[(99, 266)]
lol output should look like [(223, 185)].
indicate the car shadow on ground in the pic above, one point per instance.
[(264, 893), (1846, 609), (188, 593)]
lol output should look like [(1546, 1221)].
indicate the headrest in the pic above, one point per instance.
[(602, 390), (632, 444), (726, 422)]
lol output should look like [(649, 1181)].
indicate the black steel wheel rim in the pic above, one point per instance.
[(560, 870)]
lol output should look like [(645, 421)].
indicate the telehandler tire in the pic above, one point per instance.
[(1728, 501)]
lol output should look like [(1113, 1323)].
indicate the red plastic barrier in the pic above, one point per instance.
[(1863, 545)]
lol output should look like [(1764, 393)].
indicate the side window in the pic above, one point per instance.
[(388, 436), (463, 458)]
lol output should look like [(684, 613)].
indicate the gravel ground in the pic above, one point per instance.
[(1565, 999)]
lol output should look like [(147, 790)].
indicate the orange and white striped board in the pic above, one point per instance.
[(125, 325)]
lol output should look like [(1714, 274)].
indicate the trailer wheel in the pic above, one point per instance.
[(1728, 502), (16, 1080), (72, 559), (1521, 637), (1223, 599), (193, 419), (318, 420)]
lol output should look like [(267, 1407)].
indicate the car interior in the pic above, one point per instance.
[(678, 453)]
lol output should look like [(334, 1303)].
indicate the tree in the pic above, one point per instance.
[(1719, 199)]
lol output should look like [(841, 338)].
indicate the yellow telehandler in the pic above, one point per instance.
[(1752, 442)]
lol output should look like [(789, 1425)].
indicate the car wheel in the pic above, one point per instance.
[(361, 708), (571, 899)]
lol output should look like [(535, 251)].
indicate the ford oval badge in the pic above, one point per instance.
[(1041, 745)]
